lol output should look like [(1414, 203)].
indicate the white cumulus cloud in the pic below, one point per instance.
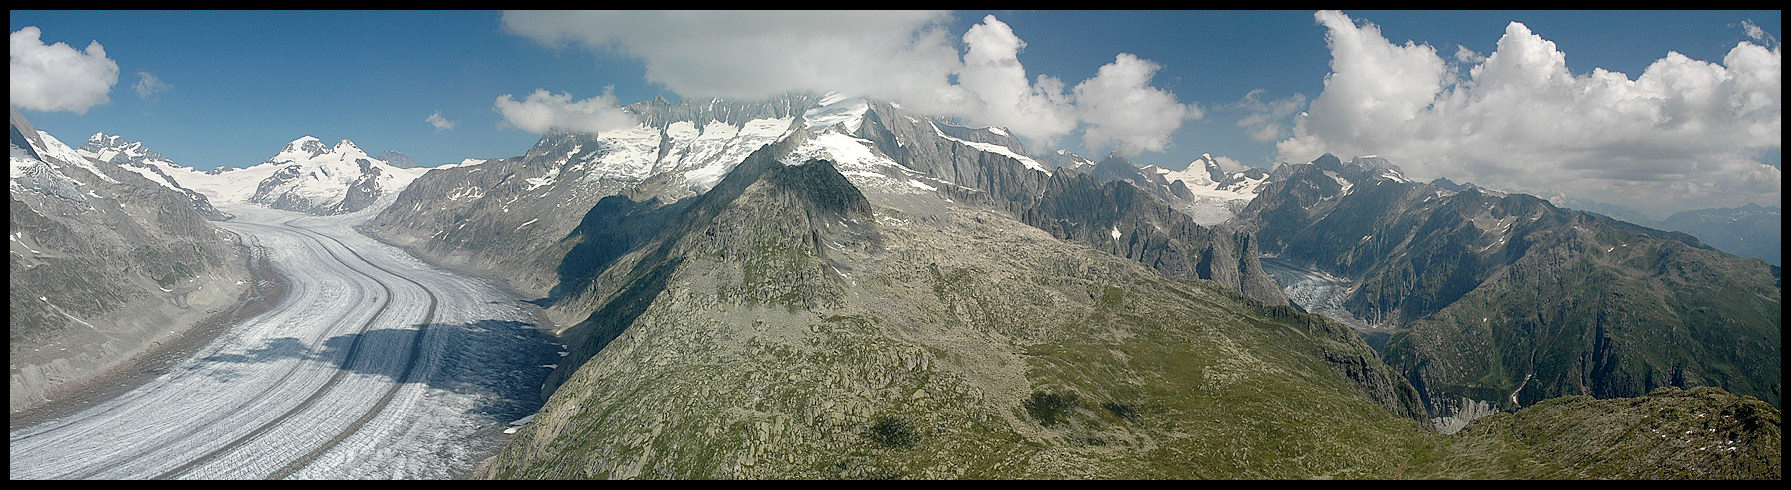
[(1124, 111), (999, 93), (57, 77), (542, 112), (441, 123), (1684, 134), (905, 56), (1266, 121)]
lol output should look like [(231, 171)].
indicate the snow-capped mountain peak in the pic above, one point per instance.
[(1204, 189), (132, 156), (303, 148), (836, 109), (117, 150), (316, 178), (1376, 166), (1202, 172)]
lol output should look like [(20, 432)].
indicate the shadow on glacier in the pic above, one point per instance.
[(500, 363)]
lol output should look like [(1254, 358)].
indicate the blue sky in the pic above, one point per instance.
[(239, 85)]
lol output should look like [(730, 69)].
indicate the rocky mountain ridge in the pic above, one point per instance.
[(455, 215), (1204, 191), (106, 260), (806, 319), (134, 156)]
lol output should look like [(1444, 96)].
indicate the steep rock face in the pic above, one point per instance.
[(104, 262), (789, 324), (1063, 159), (1506, 299), (919, 144), (398, 160), (1072, 206), (1602, 308), (1121, 219)]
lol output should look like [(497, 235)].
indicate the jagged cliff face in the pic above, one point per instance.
[(1122, 219), (805, 318), (1507, 300), (104, 261)]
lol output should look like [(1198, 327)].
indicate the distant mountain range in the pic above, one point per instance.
[(1749, 230), (306, 175), (1203, 191)]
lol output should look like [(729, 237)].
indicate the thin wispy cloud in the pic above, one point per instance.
[(1752, 30), (1266, 121), (148, 85), (1756, 33), (58, 77), (1685, 133), (440, 123)]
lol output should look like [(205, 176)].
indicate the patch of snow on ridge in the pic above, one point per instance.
[(55, 149), (846, 113), (830, 97), (545, 179), (1345, 183), (997, 149), (861, 165), (151, 175)]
